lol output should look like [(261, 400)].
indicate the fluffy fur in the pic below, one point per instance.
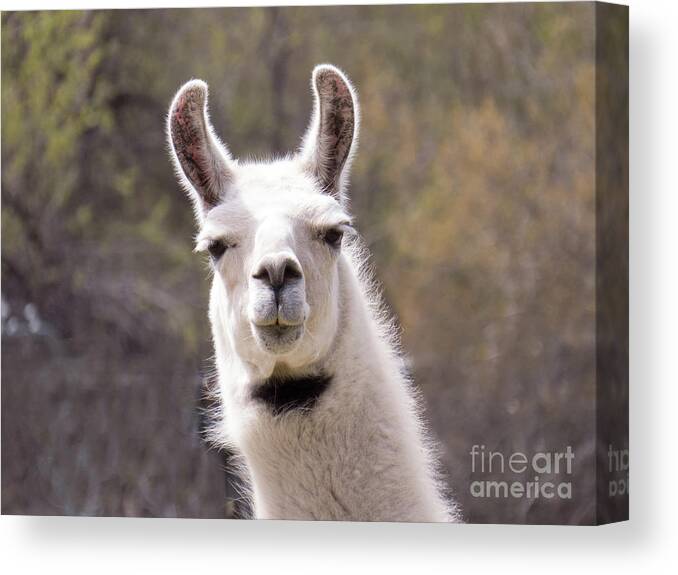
[(356, 447)]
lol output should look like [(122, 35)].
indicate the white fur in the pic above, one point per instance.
[(362, 452)]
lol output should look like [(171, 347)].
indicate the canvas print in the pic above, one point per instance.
[(348, 263)]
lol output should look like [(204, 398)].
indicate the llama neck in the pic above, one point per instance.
[(358, 453)]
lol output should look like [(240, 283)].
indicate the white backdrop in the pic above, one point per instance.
[(648, 542)]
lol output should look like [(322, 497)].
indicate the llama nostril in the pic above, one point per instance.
[(291, 271), (261, 274), (278, 273)]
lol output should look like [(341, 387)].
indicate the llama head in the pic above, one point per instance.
[(273, 230)]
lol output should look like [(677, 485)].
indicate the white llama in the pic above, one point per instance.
[(312, 388)]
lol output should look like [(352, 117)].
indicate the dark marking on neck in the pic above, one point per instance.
[(286, 394)]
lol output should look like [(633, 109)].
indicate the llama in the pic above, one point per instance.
[(312, 388)]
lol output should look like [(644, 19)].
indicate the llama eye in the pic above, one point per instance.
[(333, 237), (216, 248)]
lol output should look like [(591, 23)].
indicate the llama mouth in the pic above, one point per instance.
[(278, 338)]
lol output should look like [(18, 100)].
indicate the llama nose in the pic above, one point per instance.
[(278, 271)]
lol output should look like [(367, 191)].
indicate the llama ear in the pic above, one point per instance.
[(331, 139), (202, 162)]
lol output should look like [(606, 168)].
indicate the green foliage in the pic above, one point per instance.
[(51, 97)]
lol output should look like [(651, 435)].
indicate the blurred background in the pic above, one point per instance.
[(473, 188)]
